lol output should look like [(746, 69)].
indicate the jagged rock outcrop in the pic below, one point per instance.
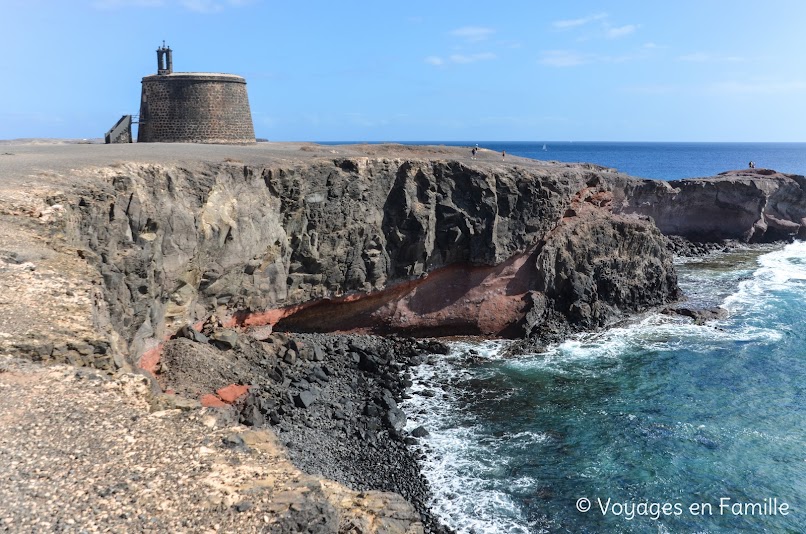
[(596, 266), (418, 240), (752, 205), (385, 240), (418, 246)]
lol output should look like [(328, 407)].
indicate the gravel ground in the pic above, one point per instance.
[(82, 452), (52, 163)]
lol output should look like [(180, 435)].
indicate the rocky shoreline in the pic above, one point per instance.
[(195, 264), (332, 400)]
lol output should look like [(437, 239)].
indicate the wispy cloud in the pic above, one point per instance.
[(571, 58), (703, 57), (564, 58), (574, 23), (601, 27), (470, 34), (620, 31), (473, 33), (472, 58), (460, 59)]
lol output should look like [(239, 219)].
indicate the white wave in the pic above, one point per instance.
[(591, 354), (527, 438), (781, 270), (460, 462), (470, 485), (466, 477)]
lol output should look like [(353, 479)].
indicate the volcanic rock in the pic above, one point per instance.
[(751, 205), (372, 239)]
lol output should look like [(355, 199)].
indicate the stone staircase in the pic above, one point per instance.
[(121, 132)]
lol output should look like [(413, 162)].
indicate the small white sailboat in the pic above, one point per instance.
[(544, 147)]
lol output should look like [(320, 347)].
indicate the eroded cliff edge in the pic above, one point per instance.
[(750, 205), (105, 264), (366, 244)]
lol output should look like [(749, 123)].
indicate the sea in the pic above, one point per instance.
[(655, 425), (660, 161)]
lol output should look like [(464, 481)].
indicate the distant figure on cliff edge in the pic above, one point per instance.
[(752, 164), (473, 153), (503, 155)]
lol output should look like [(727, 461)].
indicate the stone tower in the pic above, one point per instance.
[(193, 107)]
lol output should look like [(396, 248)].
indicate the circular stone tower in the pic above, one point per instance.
[(193, 107)]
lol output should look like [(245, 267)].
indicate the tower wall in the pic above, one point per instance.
[(195, 108)]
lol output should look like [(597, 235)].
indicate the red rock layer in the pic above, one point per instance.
[(454, 300)]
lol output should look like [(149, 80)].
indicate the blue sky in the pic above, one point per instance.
[(705, 70)]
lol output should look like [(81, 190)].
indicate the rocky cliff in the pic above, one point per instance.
[(366, 244), (752, 205), (184, 261), (185, 269)]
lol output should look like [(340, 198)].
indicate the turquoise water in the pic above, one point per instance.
[(651, 413)]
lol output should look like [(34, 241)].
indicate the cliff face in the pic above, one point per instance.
[(379, 245), (110, 262), (753, 205)]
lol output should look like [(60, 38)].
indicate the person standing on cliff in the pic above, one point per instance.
[(752, 164), (503, 155), (473, 153)]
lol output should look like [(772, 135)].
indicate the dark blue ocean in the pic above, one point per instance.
[(666, 161), (655, 425), (663, 161)]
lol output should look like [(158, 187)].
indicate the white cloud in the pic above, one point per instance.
[(473, 33), (460, 59), (621, 31), (472, 58), (607, 30), (702, 57), (563, 58), (573, 23), (571, 58)]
